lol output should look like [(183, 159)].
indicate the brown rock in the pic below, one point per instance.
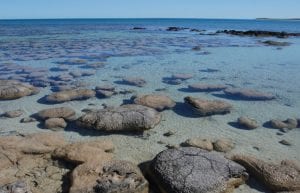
[(277, 177), (69, 95), (55, 123), (205, 144), (247, 122), (248, 94), (82, 152), (58, 112), (182, 76), (158, 102), (289, 123), (108, 177), (223, 145), (208, 107), (11, 89)]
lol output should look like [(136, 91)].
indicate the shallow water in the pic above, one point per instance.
[(154, 54)]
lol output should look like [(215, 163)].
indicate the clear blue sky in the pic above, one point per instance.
[(12, 9)]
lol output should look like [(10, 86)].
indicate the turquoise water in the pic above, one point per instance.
[(153, 54)]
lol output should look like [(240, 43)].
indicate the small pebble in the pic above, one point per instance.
[(169, 133), (284, 142)]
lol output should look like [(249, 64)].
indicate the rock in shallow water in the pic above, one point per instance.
[(134, 81), (192, 170), (12, 114), (208, 107), (58, 112), (123, 118), (69, 95), (158, 102), (55, 123), (11, 89), (200, 87), (247, 122), (281, 177), (248, 94), (289, 123)]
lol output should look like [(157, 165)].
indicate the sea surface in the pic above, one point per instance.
[(154, 54)]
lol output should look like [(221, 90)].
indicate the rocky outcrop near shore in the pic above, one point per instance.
[(190, 169), (277, 177), (259, 33)]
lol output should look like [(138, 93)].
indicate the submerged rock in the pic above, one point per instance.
[(158, 102), (277, 177), (199, 142), (289, 123), (182, 76), (276, 43), (12, 114), (59, 112), (123, 118), (55, 123), (11, 89), (193, 170), (223, 145), (134, 81), (206, 87), (247, 122), (248, 94), (69, 95), (208, 107)]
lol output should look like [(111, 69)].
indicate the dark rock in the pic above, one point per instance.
[(258, 33), (208, 107), (176, 28), (169, 133), (285, 142), (138, 28), (278, 178), (248, 94), (123, 118), (276, 43), (193, 170)]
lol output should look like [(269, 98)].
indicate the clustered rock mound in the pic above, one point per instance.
[(45, 163), (158, 102), (56, 118), (208, 107), (11, 89), (193, 170), (220, 145), (248, 94), (288, 124), (70, 95), (277, 177), (123, 118)]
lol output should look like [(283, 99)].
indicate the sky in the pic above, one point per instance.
[(242, 9)]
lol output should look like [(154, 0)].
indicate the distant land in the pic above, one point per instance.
[(277, 18)]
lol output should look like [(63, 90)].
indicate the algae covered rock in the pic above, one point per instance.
[(123, 118)]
